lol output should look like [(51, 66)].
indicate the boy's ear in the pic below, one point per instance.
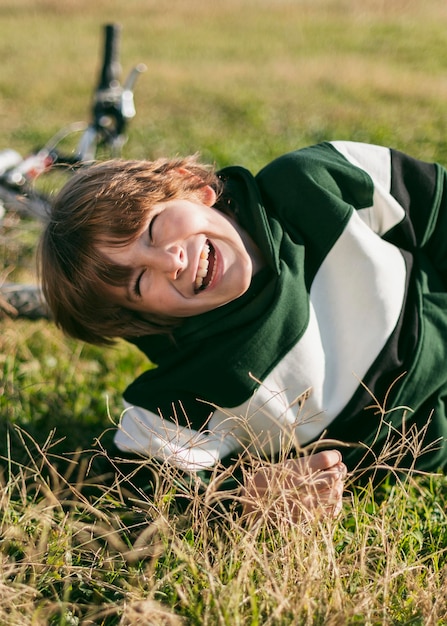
[(206, 193)]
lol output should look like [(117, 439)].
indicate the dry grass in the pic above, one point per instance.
[(77, 551)]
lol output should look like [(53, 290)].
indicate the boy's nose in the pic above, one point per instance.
[(170, 260)]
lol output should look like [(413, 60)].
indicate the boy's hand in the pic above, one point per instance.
[(297, 489)]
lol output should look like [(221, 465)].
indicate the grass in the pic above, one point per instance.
[(90, 538), (74, 552)]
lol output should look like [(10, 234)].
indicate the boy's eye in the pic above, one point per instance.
[(151, 227), (137, 287)]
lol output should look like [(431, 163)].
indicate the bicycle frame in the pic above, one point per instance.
[(113, 106)]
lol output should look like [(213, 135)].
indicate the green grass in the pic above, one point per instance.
[(87, 537)]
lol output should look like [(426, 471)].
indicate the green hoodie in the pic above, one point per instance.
[(343, 334)]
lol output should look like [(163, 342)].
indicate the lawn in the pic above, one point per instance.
[(90, 537)]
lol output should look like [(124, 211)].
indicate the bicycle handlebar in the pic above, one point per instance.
[(112, 106), (113, 103), (108, 119), (111, 68)]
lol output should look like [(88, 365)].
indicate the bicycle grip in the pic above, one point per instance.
[(111, 69)]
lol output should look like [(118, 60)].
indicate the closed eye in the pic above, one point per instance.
[(136, 288), (151, 227), (137, 285)]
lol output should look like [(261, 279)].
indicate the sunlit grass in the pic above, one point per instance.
[(77, 550)]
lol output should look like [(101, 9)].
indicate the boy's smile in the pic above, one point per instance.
[(206, 271), (189, 258)]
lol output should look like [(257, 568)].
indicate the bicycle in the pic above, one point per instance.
[(112, 108)]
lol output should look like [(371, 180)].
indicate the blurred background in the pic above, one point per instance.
[(238, 80)]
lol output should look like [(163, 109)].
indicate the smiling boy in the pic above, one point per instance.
[(277, 308), (188, 259)]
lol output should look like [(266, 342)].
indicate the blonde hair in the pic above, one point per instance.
[(107, 203)]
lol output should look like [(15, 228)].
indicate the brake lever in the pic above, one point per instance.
[(127, 97)]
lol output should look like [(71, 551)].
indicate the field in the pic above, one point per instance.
[(88, 537)]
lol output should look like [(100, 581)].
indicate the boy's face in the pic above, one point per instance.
[(188, 259)]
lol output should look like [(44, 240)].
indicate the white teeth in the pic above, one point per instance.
[(203, 267)]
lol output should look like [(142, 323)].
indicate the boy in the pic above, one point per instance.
[(306, 301)]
